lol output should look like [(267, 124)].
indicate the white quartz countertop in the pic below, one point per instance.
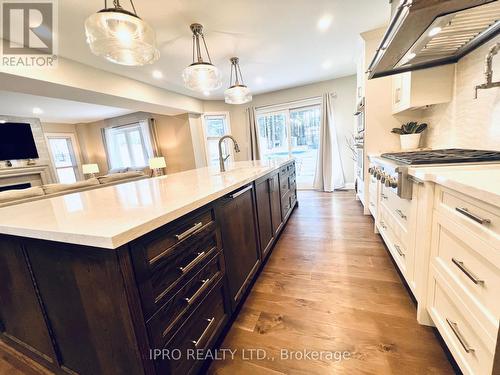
[(479, 181), (111, 216)]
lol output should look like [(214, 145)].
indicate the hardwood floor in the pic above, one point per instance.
[(330, 286)]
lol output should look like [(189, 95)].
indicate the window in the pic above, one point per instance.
[(128, 146), (292, 130), (64, 159), (215, 125)]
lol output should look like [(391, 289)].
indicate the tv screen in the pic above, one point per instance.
[(16, 141)]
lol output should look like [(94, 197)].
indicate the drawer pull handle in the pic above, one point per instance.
[(400, 252), (204, 285), (382, 224), (371, 204), (464, 211), (205, 332), (193, 263), (238, 193), (188, 232), (384, 196), (467, 272), (400, 213), (458, 334)]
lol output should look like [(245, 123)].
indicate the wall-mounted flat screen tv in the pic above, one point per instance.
[(16, 141)]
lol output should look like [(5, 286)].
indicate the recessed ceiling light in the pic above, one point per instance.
[(325, 22), (259, 80), (157, 74), (435, 31), (3, 121), (37, 111), (326, 64), (206, 93)]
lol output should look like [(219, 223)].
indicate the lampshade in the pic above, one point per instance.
[(156, 163), (201, 75), (121, 36), (238, 92), (90, 168)]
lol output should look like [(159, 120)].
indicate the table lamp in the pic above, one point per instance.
[(90, 169), (157, 164)]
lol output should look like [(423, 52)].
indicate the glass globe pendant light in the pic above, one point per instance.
[(237, 93), (201, 76), (121, 36)]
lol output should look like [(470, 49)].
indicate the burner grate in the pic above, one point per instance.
[(453, 155)]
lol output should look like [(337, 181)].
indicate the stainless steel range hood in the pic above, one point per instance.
[(426, 33)]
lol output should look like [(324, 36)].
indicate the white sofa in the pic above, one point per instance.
[(17, 196)]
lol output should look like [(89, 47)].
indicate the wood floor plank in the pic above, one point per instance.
[(330, 285)]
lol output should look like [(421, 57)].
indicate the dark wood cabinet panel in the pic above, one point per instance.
[(21, 318), (276, 218), (264, 215), (236, 216), (83, 294)]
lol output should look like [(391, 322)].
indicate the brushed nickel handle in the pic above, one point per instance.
[(400, 252), (371, 204), (205, 332), (204, 285), (382, 224), (468, 273), (384, 196), (238, 193), (400, 213), (188, 232), (460, 337), (464, 211), (193, 263)]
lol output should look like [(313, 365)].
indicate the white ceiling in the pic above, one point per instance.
[(54, 110), (278, 41)]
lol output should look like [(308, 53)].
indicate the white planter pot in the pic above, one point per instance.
[(410, 141)]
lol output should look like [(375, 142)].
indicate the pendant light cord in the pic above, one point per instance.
[(117, 5), (206, 49)]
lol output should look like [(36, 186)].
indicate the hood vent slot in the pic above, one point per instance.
[(427, 33)]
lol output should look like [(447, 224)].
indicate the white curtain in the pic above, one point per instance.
[(253, 127), (329, 172)]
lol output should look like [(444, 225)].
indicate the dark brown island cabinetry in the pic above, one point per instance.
[(148, 306)]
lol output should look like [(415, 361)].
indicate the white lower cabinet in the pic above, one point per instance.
[(447, 247), (464, 279)]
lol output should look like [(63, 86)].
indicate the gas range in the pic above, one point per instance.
[(392, 168)]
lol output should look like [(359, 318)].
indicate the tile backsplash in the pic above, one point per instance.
[(467, 122)]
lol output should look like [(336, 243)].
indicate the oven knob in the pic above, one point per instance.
[(370, 170), (394, 183), (378, 175), (388, 182), (383, 178)]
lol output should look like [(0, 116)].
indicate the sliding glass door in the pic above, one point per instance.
[(292, 131)]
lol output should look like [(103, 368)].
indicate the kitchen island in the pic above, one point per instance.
[(122, 279)]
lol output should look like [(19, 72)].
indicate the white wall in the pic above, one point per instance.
[(344, 105)]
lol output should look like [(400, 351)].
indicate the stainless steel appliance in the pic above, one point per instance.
[(425, 33), (359, 115), (392, 168)]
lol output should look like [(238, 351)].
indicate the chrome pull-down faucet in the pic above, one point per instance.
[(488, 70), (222, 159)]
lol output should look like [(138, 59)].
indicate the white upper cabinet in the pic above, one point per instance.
[(420, 88)]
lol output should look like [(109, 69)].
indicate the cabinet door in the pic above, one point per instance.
[(236, 215), (276, 219), (264, 216)]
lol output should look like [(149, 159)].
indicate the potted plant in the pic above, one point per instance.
[(409, 134)]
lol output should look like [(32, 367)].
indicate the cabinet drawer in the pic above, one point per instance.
[(476, 276), (285, 204), (460, 335), (184, 301), (161, 277), (400, 208), (187, 229), (199, 332), (479, 217), (394, 244)]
